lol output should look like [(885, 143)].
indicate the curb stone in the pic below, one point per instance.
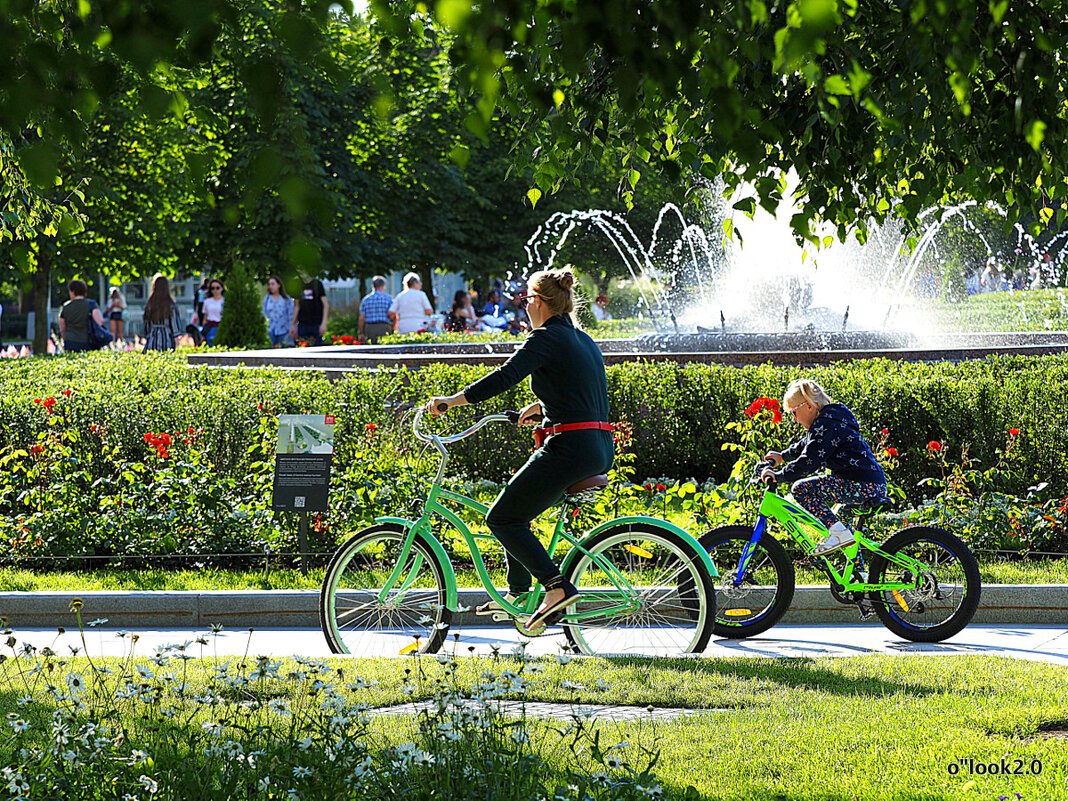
[(234, 609)]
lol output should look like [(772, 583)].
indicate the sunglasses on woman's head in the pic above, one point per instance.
[(522, 301)]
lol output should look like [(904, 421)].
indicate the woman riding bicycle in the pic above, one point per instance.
[(833, 441), (566, 372)]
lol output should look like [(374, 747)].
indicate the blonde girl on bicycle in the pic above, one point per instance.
[(832, 441)]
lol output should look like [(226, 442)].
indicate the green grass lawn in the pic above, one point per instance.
[(854, 729), (1052, 571), (1041, 310)]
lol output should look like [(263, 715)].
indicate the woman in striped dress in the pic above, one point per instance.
[(162, 325)]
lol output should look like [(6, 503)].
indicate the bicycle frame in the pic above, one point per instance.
[(527, 603), (799, 523)]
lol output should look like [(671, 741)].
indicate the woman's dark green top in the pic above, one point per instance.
[(566, 372)]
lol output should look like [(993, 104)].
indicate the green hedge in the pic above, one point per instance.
[(679, 412)]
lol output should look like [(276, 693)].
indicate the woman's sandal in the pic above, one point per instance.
[(551, 615)]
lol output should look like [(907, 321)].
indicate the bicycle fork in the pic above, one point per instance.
[(750, 549)]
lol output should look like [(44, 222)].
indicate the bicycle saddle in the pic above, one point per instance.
[(593, 482)]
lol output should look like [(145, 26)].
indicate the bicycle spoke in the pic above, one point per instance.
[(939, 591), (365, 621)]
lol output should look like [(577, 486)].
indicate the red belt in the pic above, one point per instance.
[(542, 433)]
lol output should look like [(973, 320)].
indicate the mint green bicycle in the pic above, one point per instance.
[(923, 582), (645, 585)]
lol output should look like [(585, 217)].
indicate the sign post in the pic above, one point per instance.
[(302, 463)]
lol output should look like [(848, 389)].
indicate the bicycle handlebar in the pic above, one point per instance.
[(760, 467), (505, 417)]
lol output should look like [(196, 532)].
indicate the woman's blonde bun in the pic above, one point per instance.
[(555, 287)]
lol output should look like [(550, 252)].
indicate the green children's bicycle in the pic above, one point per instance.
[(923, 582), (645, 585)]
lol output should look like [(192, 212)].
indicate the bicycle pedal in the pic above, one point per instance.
[(865, 611), (502, 617)]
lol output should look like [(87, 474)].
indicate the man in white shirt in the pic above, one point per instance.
[(411, 310)]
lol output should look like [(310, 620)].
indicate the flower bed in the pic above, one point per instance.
[(128, 454)]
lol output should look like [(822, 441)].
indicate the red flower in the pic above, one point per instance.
[(1014, 432), (67, 391), (891, 451), (371, 426), (772, 405), (885, 432), (934, 446), (148, 437), (649, 487), (660, 488)]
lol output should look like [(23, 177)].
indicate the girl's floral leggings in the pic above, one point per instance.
[(819, 493)]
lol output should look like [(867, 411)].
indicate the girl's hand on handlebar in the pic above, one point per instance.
[(767, 475), (774, 456), (531, 415)]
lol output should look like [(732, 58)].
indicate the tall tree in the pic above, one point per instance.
[(62, 60)]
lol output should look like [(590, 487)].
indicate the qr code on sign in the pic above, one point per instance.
[(298, 501)]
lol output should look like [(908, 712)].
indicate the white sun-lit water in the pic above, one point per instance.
[(761, 279)]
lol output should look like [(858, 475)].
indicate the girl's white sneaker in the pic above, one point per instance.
[(838, 537)]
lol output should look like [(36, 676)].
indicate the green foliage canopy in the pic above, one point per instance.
[(881, 106)]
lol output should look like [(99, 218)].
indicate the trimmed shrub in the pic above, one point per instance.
[(243, 324), (679, 411)]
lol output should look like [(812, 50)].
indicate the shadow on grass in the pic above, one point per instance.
[(802, 673)]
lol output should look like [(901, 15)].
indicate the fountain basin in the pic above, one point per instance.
[(776, 349)]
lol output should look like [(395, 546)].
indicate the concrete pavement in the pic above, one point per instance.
[(1042, 643)]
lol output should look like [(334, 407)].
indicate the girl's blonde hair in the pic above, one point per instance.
[(556, 288), (808, 390)]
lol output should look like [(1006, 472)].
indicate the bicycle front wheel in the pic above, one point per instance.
[(357, 618), (946, 590), (643, 590), (761, 598)]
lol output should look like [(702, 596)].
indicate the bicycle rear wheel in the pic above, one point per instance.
[(411, 617), (644, 590), (947, 590)]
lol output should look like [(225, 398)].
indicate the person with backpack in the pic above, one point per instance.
[(75, 318)]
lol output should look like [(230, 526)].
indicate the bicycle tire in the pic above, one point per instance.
[(675, 609), (737, 612), (965, 583), (355, 622)]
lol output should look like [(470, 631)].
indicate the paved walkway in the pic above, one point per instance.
[(1037, 643)]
